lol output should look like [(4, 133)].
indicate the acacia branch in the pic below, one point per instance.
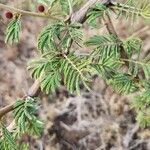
[(75, 17), (78, 16)]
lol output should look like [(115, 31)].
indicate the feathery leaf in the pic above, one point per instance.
[(133, 9), (106, 45), (26, 121), (123, 83), (98, 11), (75, 71), (7, 142), (12, 31)]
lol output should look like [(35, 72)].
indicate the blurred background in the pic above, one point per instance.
[(97, 120)]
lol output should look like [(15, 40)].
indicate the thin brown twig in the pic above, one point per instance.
[(110, 28), (27, 13)]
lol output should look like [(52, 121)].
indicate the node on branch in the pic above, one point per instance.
[(41, 8), (8, 14)]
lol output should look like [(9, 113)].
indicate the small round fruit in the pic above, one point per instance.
[(8, 14), (41, 8)]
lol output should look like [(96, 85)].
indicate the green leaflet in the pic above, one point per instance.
[(123, 83), (140, 65), (98, 11), (64, 4), (36, 67), (75, 33), (26, 121), (145, 65), (47, 37), (106, 67), (132, 45), (133, 9), (58, 37), (47, 69), (7, 142), (51, 70), (106, 45), (51, 81), (141, 104), (75, 71), (12, 31)]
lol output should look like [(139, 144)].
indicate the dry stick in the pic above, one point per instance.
[(34, 90), (109, 25), (27, 13)]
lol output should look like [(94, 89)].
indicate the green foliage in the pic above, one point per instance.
[(145, 65), (133, 9), (63, 4), (142, 101), (132, 46), (25, 118), (107, 66), (75, 70), (51, 81), (123, 83), (141, 104), (48, 36), (59, 34), (53, 42), (37, 66), (97, 12), (23, 146), (75, 33), (106, 45), (52, 69), (12, 31), (7, 141), (47, 69), (116, 61), (142, 65)]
